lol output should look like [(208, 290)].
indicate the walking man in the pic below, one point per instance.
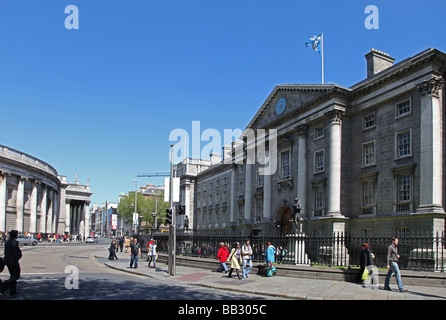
[(12, 257), (135, 251), (246, 255), (392, 265)]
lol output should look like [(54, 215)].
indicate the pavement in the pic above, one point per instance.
[(276, 286)]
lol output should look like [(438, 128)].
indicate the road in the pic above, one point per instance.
[(48, 269)]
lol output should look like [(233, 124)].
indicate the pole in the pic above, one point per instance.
[(172, 232), (322, 55)]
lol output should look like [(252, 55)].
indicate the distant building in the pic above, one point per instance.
[(35, 199), (369, 158)]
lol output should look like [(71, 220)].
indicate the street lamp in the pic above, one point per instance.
[(135, 216)]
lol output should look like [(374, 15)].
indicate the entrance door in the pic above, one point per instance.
[(286, 223)]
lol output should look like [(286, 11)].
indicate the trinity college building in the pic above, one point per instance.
[(35, 199), (369, 158)]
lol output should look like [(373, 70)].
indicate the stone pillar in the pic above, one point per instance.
[(3, 199), (43, 209), (302, 168), (49, 220), (267, 194), (67, 216), (87, 220), (334, 166), (248, 193), (431, 148), (33, 209), (56, 211), (20, 204), (233, 194)]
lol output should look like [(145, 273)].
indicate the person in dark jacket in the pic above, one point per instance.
[(365, 259), (12, 256), (112, 250)]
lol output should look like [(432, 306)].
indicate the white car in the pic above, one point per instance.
[(25, 240), (90, 240)]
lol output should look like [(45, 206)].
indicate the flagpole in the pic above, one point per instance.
[(322, 55)]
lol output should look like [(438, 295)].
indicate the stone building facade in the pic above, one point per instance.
[(35, 199), (368, 158)]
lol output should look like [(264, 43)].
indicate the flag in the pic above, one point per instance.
[(314, 42)]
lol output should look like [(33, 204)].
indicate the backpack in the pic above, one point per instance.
[(2, 264)]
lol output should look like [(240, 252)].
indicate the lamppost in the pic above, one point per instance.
[(135, 215)]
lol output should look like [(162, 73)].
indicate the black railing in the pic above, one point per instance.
[(418, 251)]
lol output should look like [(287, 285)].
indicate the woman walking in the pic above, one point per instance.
[(365, 259), (235, 257), (270, 252)]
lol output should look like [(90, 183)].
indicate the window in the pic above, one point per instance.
[(368, 121), (369, 194), (404, 144), (318, 199), (319, 161), (404, 188), (368, 197), (368, 153), (403, 178), (319, 132), (259, 177), (242, 187), (285, 164), (403, 108)]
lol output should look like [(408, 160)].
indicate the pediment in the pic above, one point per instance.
[(294, 97)]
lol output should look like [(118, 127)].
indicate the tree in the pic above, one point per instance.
[(145, 208)]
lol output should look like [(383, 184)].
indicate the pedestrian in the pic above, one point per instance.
[(12, 256), (235, 259), (121, 243), (246, 257), (392, 265), (365, 259), (270, 252), (222, 255), (112, 251), (135, 252), (152, 253), (127, 244)]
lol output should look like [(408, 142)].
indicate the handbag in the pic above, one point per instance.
[(365, 274), (268, 266)]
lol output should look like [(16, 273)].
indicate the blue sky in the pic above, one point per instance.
[(102, 100)]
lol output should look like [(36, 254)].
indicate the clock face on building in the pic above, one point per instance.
[(281, 105)]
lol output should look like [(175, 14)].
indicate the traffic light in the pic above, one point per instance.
[(168, 216), (181, 209)]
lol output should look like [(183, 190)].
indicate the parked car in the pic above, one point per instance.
[(91, 240), (25, 240)]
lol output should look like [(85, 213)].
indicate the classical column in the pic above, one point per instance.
[(33, 208), (248, 192), (49, 220), (302, 167), (87, 220), (20, 204), (334, 167), (43, 209), (56, 211), (67, 216), (267, 190), (3, 199), (232, 196), (431, 151)]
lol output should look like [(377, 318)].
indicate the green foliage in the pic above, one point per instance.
[(146, 206)]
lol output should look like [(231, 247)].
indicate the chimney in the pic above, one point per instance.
[(377, 61)]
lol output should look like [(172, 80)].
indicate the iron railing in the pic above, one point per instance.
[(418, 251)]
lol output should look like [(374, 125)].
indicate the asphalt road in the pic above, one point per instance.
[(70, 272)]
